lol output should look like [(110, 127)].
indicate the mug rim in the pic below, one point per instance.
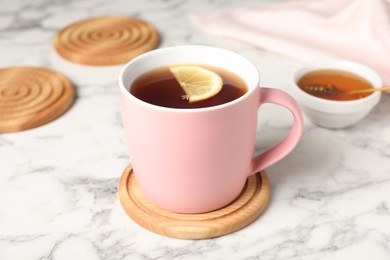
[(148, 54)]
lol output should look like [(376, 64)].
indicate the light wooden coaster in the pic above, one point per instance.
[(240, 213), (32, 96), (106, 40)]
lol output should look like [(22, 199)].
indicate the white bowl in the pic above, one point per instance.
[(337, 114)]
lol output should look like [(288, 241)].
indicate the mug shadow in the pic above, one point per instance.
[(308, 156), (299, 170), (321, 151)]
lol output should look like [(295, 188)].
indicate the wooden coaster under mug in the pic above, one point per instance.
[(241, 212), (32, 96)]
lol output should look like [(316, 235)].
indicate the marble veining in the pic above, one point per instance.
[(330, 198)]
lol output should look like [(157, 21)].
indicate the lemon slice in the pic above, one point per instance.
[(198, 83)]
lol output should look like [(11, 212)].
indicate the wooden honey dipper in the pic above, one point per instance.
[(330, 89)]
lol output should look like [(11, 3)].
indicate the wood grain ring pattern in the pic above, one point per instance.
[(107, 40), (32, 96), (241, 212)]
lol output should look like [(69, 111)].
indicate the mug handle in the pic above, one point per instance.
[(284, 147)]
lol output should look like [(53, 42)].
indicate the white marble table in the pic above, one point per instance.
[(58, 182)]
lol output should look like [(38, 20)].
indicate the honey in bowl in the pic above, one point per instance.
[(334, 85)]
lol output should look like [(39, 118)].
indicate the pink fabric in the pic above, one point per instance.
[(307, 30)]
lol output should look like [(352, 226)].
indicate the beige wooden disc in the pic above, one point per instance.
[(105, 40), (32, 96), (240, 213)]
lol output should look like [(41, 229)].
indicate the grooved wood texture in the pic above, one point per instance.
[(32, 96), (106, 40), (240, 213)]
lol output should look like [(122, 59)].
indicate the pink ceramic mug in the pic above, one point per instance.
[(198, 160)]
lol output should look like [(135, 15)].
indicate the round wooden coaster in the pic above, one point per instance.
[(105, 40), (32, 96), (238, 214)]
